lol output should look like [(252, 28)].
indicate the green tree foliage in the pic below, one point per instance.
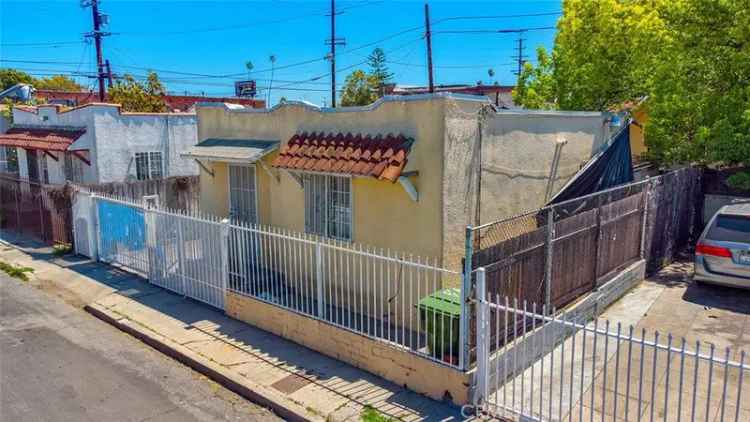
[(362, 88), (359, 89), (10, 77), (691, 58), (57, 83), (145, 97), (379, 71)]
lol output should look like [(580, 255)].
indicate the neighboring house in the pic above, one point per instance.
[(407, 173), (499, 95), (175, 103), (97, 143), (18, 92)]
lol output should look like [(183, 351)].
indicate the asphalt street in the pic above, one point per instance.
[(57, 363)]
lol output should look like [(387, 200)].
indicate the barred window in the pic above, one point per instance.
[(148, 165), (328, 206), (73, 168)]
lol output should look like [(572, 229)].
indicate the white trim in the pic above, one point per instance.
[(409, 187)]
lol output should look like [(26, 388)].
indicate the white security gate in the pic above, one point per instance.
[(184, 254), (533, 365)]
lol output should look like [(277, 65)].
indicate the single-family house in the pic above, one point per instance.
[(407, 173), (98, 143)]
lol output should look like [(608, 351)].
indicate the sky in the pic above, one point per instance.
[(202, 46)]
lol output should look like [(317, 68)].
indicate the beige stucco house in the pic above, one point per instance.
[(405, 173)]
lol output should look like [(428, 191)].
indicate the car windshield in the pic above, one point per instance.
[(730, 228)]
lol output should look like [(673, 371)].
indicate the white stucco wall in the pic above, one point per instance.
[(112, 138), (517, 155), (130, 133), (516, 151)]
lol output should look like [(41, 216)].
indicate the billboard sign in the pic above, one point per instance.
[(245, 89)]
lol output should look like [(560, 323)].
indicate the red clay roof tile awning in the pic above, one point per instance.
[(383, 157), (41, 139)]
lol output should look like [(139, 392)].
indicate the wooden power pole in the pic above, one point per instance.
[(97, 34), (334, 42), (428, 38)]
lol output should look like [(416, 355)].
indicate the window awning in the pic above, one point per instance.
[(382, 157), (231, 150), (40, 138)]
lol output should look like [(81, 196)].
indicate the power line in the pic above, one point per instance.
[(472, 66), (494, 31), (524, 15), (40, 44)]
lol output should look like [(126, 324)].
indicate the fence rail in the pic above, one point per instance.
[(558, 369), (407, 302)]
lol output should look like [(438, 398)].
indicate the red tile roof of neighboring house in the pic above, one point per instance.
[(173, 102), (383, 157), (42, 139)]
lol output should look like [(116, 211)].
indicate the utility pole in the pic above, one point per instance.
[(428, 37), (334, 42), (97, 34), (109, 74), (520, 58)]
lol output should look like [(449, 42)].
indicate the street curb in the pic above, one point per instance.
[(254, 392)]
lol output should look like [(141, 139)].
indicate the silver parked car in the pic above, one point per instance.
[(722, 255)]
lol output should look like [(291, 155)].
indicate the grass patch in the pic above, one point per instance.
[(60, 249), (370, 414), (16, 272)]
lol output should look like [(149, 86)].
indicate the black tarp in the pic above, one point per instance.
[(611, 167)]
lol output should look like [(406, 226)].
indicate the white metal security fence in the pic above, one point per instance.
[(180, 252), (555, 368), (405, 301)]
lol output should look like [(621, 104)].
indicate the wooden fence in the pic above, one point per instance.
[(177, 193), (589, 241), (39, 211)]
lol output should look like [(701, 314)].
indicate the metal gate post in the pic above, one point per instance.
[(319, 280), (181, 256), (224, 242), (96, 245), (549, 257), (483, 355), (463, 332)]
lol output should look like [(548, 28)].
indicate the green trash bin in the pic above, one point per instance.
[(440, 315)]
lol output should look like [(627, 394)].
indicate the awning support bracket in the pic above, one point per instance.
[(81, 157), (409, 187), (203, 166), (271, 173), (297, 178), (50, 155)]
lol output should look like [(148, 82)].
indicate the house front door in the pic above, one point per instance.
[(242, 206)]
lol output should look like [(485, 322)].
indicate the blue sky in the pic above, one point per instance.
[(202, 46)]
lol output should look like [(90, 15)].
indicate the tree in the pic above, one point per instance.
[(378, 69), (57, 83), (689, 58), (10, 77), (359, 89), (140, 97)]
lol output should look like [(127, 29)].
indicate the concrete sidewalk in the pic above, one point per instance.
[(294, 381)]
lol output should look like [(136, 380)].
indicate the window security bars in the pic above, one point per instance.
[(148, 165), (328, 206)]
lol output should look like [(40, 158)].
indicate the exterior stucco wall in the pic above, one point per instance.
[(113, 138), (418, 374), (127, 134), (213, 198), (517, 156), (383, 214), (637, 136)]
